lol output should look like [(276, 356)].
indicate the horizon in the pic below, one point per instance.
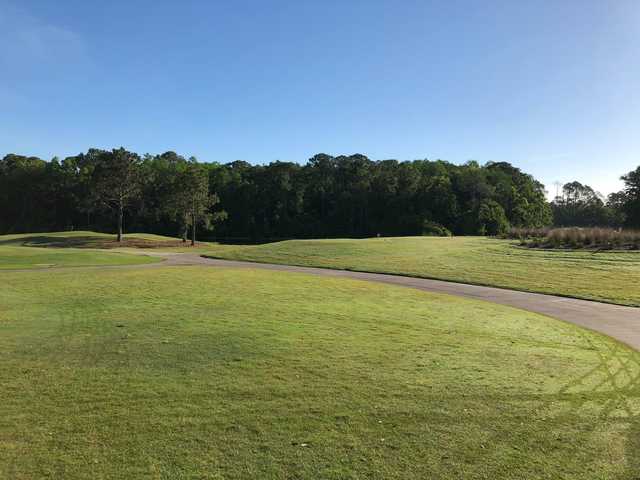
[(457, 81)]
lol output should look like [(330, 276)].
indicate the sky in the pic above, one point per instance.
[(551, 86)]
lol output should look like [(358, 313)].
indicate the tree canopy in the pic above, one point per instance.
[(581, 206), (328, 196), (629, 198)]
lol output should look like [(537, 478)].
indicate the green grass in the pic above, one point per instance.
[(28, 257), (32, 251), (606, 276), (193, 373)]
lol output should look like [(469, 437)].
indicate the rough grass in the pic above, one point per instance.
[(192, 373), (606, 276), (595, 238)]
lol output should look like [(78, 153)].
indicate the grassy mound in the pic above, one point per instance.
[(69, 249), (90, 240), (208, 373), (605, 276)]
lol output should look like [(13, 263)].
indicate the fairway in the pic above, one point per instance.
[(192, 372), (605, 276)]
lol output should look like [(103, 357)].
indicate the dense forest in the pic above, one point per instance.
[(343, 196)]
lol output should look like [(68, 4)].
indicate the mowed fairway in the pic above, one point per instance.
[(605, 276), (192, 373)]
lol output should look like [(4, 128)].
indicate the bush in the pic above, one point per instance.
[(523, 234), (433, 229)]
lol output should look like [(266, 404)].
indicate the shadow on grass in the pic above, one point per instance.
[(608, 395), (616, 379), (45, 241), (633, 446)]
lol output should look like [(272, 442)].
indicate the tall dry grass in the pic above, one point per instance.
[(574, 237)]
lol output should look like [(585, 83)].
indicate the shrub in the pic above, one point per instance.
[(434, 229), (522, 233)]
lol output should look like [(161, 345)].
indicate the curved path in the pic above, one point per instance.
[(619, 322), (616, 321)]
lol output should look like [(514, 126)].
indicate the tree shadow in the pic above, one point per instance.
[(88, 241), (616, 378), (53, 241), (608, 394)]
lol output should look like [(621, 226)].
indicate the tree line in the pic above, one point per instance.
[(104, 189), (328, 196), (580, 205)]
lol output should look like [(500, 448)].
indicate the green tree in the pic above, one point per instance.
[(631, 192), (521, 196), (346, 195), (581, 206), (24, 194), (492, 218), (117, 181), (192, 202)]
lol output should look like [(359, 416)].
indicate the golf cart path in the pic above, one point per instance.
[(616, 321)]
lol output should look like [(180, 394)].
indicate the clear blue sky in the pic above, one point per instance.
[(550, 86)]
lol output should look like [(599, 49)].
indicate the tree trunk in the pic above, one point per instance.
[(120, 215), (185, 233), (193, 230)]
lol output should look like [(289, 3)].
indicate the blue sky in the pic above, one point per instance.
[(550, 86)]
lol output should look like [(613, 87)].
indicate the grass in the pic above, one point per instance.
[(193, 373), (608, 276), (25, 257), (605, 276), (70, 249)]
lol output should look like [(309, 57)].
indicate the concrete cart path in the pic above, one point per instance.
[(616, 321)]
